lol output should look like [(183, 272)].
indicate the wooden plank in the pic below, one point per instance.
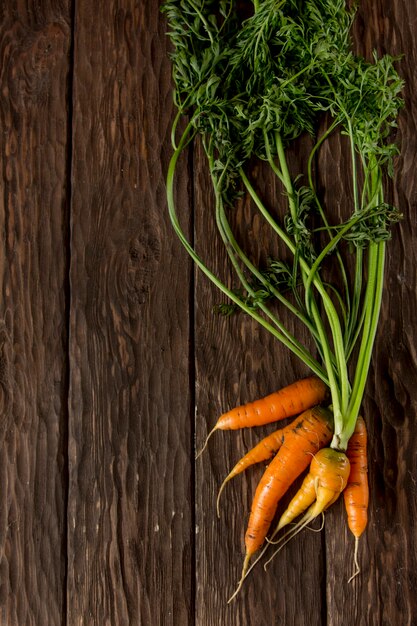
[(130, 541), (384, 593), (237, 361), (34, 71)]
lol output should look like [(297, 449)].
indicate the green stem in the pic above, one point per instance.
[(323, 216), (204, 21), (364, 361), (231, 241), (353, 327), (353, 339), (253, 269), (270, 158), (312, 364), (338, 401), (235, 253), (286, 177), (372, 306), (334, 321)]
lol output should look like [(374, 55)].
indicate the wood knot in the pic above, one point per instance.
[(143, 262), (34, 59)]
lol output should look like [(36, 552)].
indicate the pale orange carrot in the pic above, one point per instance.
[(327, 478)]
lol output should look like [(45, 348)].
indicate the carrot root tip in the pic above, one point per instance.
[(355, 559), (290, 534), (222, 486), (242, 577), (320, 528), (205, 443)]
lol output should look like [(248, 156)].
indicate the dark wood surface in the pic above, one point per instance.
[(113, 367)]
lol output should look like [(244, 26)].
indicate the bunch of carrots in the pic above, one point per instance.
[(301, 444), (250, 79)]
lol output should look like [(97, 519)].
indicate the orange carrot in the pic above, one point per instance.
[(287, 402), (356, 494), (263, 451), (270, 445)]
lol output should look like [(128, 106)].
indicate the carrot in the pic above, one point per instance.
[(328, 476), (270, 445), (323, 470), (263, 451), (356, 494), (287, 402), (291, 460), (304, 497), (294, 455), (330, 469)]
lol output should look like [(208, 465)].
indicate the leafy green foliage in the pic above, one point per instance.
[(278, 276), (251, 85)]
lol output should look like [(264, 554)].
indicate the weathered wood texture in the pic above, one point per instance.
[(34, 69), (112, 362), (130, 535)]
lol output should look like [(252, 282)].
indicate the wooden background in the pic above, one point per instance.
[(112, 365)]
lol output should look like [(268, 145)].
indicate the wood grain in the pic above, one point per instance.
[(34, 72), (113, 366), (130, 535)]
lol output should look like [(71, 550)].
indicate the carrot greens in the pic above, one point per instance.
[(249, 84)]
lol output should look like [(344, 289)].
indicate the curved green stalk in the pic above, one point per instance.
[(338, 400), (235, 252), (332, 244), (231, 241), (204, 21), (280, 176), (339, 299), (261, 278), (354, 338), (232, 248), (311, 363), (270, 159), (331, 313), (324, 219)]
